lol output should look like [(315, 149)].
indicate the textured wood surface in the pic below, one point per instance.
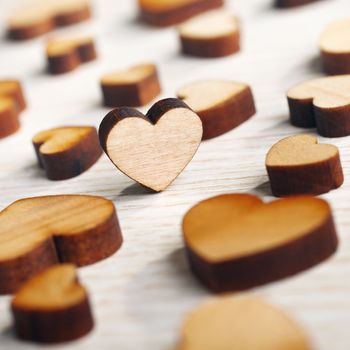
[(141, 294)]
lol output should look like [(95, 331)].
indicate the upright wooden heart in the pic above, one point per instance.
[(335, 47), (240, 323), (323, 103), (153, 149), (38, 232), (237, 242), (52, 307), (299, 165)]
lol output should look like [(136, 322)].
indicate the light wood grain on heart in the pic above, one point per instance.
[(212, 34), (299, 165), (236, 241), (241, 322), (52, 307), (221, 104), (38, 232), (153, 149), (322, 103)]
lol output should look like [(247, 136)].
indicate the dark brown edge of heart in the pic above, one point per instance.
[(56, 325), (267, 266), (330, 122), (152, 116)]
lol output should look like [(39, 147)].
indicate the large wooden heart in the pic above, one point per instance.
[(152, 149), (237, 241)]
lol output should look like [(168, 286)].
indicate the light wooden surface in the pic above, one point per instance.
[(142, 293)]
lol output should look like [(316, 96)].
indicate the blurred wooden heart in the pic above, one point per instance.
[(237, 241), (152, 149)]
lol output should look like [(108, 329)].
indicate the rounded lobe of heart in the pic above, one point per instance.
[(160, 6), (299, 150), (55, 288), (61, 139), (328, 93), (211, 24), (57, 47), (129, 76), (203, 95), (335, 38), (155, 154), (7, 87), (240, 322), (241, 225), (27, 223)]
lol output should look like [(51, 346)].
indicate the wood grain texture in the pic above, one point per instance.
[(211, 34), (41, 17), (152, 149), (134, 87), (52, 307), (300, 165), (167, 13), (136, 284), (66, 152), (38, 232)]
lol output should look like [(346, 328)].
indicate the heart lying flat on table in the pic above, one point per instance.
[(52, 307), (299, 165), (236, 241), (153, 149)]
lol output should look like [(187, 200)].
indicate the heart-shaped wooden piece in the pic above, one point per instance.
[(170, 12), (38, 232), (152, 149), (68, 151), (299, 165), (335, 47), (323, 103), (52, 307), (221, 104), (240, 323), (237, 242), (42, 16), (211, 34), (132, 87), (67, 54)]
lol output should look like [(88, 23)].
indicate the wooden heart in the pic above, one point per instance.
[(52, 307), (221, 104), (323, 103), (170, 12), (67, 151), (335, 47), (237, 242), (299, 165), (153, 149), (227, 323), (211, 34), (38, 232)]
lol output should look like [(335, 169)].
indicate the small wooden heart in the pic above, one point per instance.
[(299, 165), (237, 242), (52, 307), (322, 102), (152, 149)]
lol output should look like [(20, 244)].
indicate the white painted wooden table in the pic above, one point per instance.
[(141, 294)]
